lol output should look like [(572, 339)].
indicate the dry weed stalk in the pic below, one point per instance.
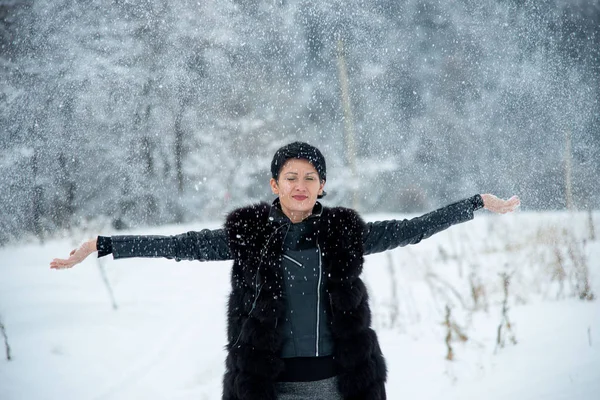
[(394, 311), (591, 223), (505, 322), (6, 346), (107, 284), (582, 273), (452, 331), (478, 293), (558, 272), (458, 252)]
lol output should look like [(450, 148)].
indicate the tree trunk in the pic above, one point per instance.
[(568, 172), (348, 121)]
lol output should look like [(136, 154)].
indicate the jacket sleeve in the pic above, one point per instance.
[(386, 235), (204, 245)]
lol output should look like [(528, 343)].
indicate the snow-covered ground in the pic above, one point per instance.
[(165, 338)]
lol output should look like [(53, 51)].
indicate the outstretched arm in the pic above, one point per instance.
[(204, 245), (386, 235)]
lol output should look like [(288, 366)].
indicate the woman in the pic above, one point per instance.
[(298, 314)]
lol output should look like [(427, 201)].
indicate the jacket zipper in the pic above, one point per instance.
[(292, 260), (319, 298)]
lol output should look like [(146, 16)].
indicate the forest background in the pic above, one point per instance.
[(151, 112)]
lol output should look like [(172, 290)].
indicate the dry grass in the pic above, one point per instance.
[(545, 258)]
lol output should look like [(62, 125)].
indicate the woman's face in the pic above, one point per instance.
[(298, 186)]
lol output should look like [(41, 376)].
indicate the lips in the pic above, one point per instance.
[(300, 198)]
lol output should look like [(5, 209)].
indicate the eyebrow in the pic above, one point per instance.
[(295, 173)]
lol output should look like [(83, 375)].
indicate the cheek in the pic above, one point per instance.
[(284, 189)]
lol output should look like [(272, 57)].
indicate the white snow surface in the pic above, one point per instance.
[(166, 338)]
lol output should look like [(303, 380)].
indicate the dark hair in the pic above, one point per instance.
[(299, 150)]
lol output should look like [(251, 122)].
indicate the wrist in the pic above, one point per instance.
[(92, 245), (478, 201), (485, 198)]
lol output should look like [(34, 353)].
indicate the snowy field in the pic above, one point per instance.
[(164, 336)]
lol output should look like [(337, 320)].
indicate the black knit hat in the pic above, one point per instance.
[(299, 150)]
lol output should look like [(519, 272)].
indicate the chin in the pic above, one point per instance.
[(305, 205), (301, 209)]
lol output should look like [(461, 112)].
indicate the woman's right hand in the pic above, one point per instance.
[(76, 256)]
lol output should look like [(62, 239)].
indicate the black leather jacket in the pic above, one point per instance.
[(305, 328)]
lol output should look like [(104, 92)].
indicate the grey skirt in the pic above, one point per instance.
[(325, 389)]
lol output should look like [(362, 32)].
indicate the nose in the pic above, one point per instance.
[(300, 187)]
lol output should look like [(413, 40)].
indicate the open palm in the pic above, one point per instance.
[(75, 257), (498, 205)]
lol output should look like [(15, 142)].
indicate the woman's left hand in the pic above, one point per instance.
[(497, 205)]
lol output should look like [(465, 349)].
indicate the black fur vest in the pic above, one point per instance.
[(257, 302)]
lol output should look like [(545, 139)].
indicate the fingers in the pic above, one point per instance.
[(514, 202), (498, 205), (510, 205), (75, 256), (58, 263)]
